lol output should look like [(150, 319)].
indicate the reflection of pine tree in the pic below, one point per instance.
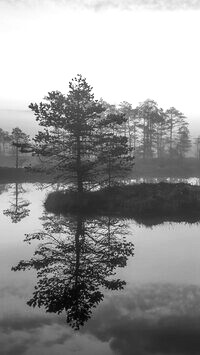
[(3, 188), (75, 259), (18, 209)]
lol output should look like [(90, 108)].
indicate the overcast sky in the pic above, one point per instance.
[(128, 50)]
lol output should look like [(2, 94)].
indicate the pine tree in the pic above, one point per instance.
[(149, 116), (69, 139), (175, 120), (183, 141), (115, 157), (19, 139), (131, 124)]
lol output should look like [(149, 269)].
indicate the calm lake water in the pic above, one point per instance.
[(157, 311)]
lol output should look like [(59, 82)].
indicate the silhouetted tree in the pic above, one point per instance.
[(130, 125), (69, 137), (175, 120), (183, 144), (115, 158), (197, 144), (149, 116), (161, 134), (19, 139), (5, 138), (74, 260)]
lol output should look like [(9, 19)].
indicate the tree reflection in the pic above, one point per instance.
[(3, 188), (19, 206), (75, 260)]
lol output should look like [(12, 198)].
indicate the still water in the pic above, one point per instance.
[(156, 312)]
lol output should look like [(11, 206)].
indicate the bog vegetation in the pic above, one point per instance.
[(88, 142)]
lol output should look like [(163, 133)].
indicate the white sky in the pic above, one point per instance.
[(125, 54)]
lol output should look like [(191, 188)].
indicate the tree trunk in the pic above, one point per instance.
[(109, 173), (144, 140), (79, 172), (134, 136), (171, 136), (17, 157)]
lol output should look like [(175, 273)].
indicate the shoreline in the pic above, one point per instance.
[(146, 203)]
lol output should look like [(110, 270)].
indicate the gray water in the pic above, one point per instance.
[(157, 312)]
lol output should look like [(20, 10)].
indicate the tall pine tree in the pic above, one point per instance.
[(69, 139)]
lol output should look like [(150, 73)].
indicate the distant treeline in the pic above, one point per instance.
[(154, 132), (151, 131), (10, 147), (8, 140)]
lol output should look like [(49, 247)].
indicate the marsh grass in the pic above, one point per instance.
[(162, 201)]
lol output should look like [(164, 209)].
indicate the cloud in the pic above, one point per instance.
[(37, 334), (170, 335), (155, 319), (99, 5), (61, 339), (152, 319), (19, 323), (143, 4)]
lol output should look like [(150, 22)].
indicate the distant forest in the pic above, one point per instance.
[(10, 147), (155, 133), (151, 132)]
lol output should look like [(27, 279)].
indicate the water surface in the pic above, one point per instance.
[(157, 312)]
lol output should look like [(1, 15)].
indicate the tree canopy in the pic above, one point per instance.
[(77, 128)]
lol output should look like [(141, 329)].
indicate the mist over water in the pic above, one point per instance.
[(18, 118)]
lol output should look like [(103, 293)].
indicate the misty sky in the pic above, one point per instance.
[(127, 49)]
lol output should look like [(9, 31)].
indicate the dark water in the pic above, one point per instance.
[(83, 265)]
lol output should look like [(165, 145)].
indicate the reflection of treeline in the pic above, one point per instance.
[(18, 209), (75, 260)]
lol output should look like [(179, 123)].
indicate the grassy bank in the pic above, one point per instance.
[(144, 202)]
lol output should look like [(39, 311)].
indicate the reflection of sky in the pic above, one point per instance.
[(166, 253), (152, 319), (157, 313)]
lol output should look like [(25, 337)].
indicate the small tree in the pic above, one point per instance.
[(130, 124), (5, 138), (19, 139), (149, 116), (175, 119), (197, 146), (183, 141)]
